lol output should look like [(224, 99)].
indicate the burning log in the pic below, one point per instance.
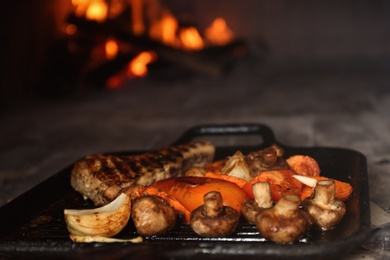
[(213, 61), (100, 75)]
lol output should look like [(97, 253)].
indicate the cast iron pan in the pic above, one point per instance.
[(32, 225)]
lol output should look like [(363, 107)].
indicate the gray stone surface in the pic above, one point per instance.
[(343, 108)]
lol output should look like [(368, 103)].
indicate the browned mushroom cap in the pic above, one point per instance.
[(266, 160), (279, 150), (213, 219), (152, 215), (262, 200), (325, 210), (285, 222)]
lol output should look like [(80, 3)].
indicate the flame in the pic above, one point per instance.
[(115, 8), (91, 9), (164, 30), (191, 39), (164, 27), (111, 49), (97, 11), (81, 6), (138, 26), (218, 32), (148, 18), (138, 66)]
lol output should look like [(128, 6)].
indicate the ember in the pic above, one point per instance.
[(138, 66)]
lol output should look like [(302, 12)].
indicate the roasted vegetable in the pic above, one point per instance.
[(262, 200), (100, 239), (285, 222), (304, 165), (151, 215), (238, 181), (324, 208), (181, 212), (343, 190), (210, 199), (237, 166), (215, 166), (212, 219), (105, 221), (282, 182), (189, 191), (268, 159)]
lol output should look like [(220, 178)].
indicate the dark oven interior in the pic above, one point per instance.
[(52, 48)]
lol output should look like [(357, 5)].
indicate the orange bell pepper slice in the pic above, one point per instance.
[(304, 165), (176, 205), (343, 190), (189, 191), (238, 181), (215, 166), (281, 182)]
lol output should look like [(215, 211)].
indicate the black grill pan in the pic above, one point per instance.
[(32, 225)]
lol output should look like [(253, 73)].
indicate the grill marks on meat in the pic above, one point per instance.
[(101, 177)]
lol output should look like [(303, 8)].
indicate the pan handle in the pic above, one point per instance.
[(261, 130)]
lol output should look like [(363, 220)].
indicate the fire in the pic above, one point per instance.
[(148, 18), (91, 9), (116, 7), (164, 30), (111, 49), (218, 32), (138, 66), (191, 39), (138, 26), (81, 6)]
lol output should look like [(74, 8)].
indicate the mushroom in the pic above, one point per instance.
[(151, 215), (279, 150), (262, 200), (324, 208), (267, 159), (213, 219), (285, 222)]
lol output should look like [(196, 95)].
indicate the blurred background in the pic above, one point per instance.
[(53, 48)]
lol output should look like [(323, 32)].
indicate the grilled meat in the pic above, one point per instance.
[(102, 177)]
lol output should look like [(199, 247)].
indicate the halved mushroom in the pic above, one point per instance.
[(213, 219), (106, 221), (151, 215), (285, 222), (325, 209), (262, 200)]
